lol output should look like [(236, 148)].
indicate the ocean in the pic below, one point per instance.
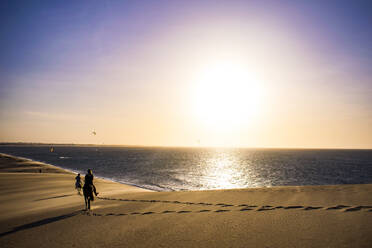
[(175, 169)]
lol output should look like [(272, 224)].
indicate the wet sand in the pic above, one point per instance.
[(44, 210)]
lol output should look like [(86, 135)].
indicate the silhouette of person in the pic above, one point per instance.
[(78, 184), (89, 189)]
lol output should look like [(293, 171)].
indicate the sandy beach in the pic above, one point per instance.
[(44, 210)]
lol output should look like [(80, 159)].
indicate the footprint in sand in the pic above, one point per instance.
[(146, 213), (337, 207), (134, 213), (205, 204), (168, 211), (221, 210), (183, 212), (358, 208), (246, 205), (246, 209), (265, 208), (204, 210), (312, 208), (227, 205), (293, 207)]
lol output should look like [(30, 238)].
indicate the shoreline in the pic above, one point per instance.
[(33, 161), (70, 171)]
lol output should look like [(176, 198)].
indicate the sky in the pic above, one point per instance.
[(187, 73)]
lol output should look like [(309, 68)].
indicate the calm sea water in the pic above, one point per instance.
[(166, 169)]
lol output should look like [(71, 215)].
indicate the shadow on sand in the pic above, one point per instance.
[(39, 223), (53, 197)]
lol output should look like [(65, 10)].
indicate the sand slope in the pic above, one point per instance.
[(43, 210)]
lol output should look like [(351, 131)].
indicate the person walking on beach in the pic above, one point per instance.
[(78, 184), (89, 189)]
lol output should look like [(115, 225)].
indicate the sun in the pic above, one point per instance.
[(226, 96)]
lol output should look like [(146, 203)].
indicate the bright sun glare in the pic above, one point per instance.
[(227, 96)]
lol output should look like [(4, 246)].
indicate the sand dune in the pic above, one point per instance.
[(44, 210)]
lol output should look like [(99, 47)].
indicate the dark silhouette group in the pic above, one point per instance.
[(89, 190)]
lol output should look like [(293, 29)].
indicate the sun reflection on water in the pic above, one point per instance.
[(222, 171)]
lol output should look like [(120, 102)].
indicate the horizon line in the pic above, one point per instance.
[(164, 146)]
